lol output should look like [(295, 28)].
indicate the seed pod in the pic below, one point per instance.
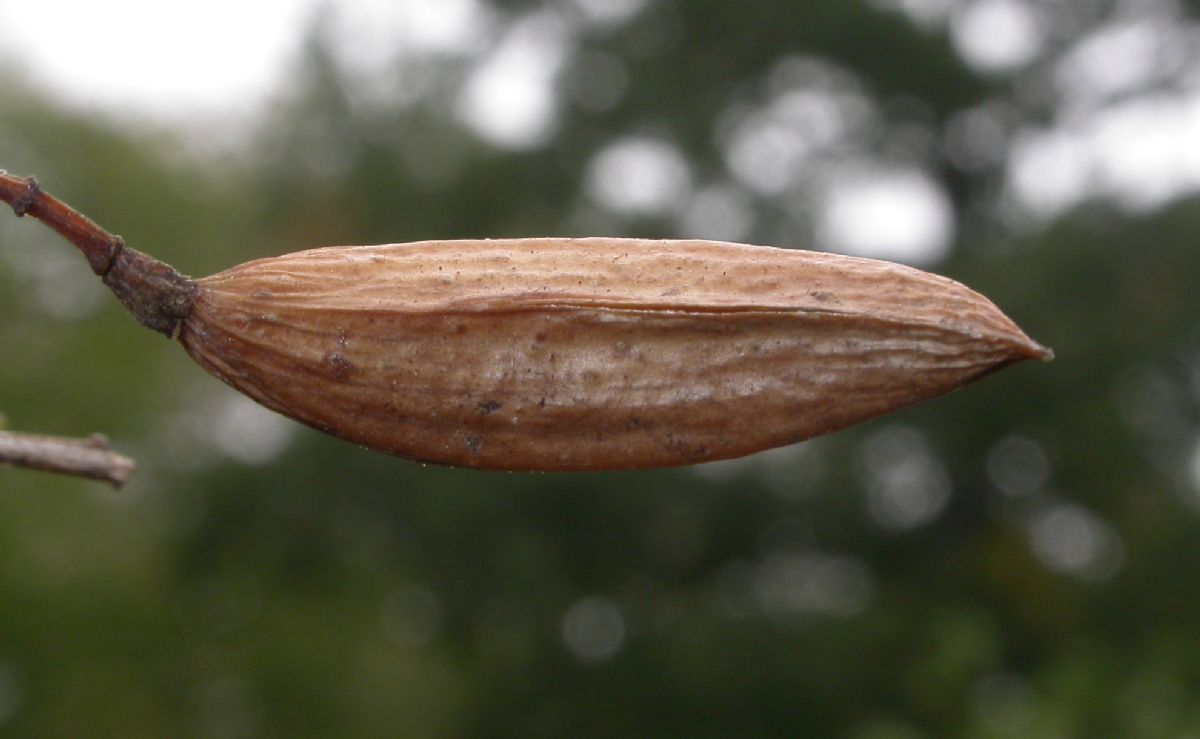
[(574, 354), (560, 354)]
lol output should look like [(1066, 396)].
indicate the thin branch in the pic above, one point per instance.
[(157, 295), (91, 457), (26, 198)]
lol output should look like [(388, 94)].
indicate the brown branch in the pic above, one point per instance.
[(91, 457), (157, 295), (26, 198)]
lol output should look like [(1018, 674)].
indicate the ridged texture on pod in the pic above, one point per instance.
[(565, 354)]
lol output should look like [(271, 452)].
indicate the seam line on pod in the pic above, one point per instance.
[(500, 308), (1018, 344)]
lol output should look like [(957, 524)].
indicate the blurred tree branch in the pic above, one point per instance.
[(92, 457)]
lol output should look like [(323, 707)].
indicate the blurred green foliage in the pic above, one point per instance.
[(276, 582)]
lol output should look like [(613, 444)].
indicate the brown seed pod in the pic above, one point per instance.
[(572, 354)]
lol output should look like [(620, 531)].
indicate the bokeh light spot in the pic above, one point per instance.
[(608, 13), (639, 176), (1113, 60), (411, 616), (719, 213), (997, 35), (593, 629), (1069, 539), (813, 583), (248, 432), (897, 214), (1017, 466), (509, 99), (906, 485)]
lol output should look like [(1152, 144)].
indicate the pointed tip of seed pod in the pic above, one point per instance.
[(1037, 350), (1022, 345), (1030, 349)]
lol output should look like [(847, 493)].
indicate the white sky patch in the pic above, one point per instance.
[(153, 56), (640, 176), (997, 35), (896, 214), (509, 100), (168, 60)]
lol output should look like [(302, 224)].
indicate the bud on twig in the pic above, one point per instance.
[(569, 354)]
